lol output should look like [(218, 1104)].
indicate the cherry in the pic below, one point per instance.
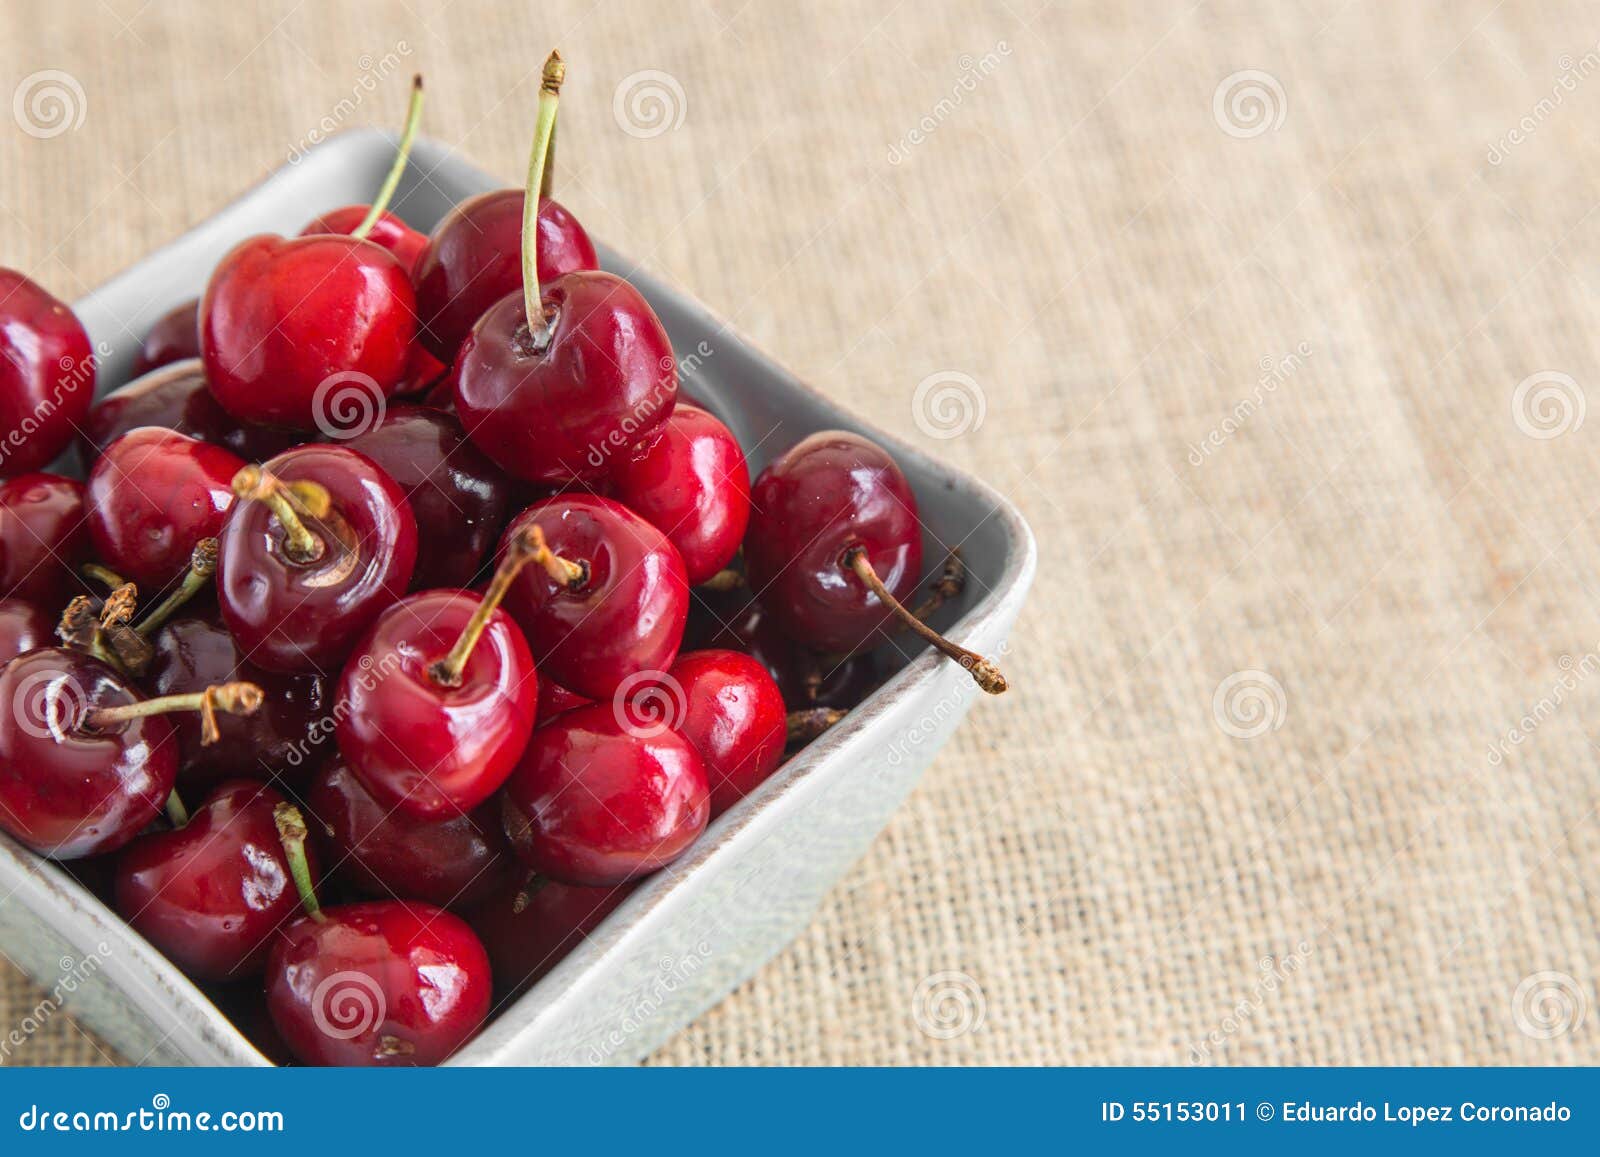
[(689, 478), (47, 374), (176, 397), (527, 932), (555, 699), (727, 705), (152, 496), (23, 627), (284, 738), (174, 337), (553, 381), (616, 604), (286, 324), (323, 542), (85, 761), (455, 862), (459, 497), (835, 545), (43, 537), (378, 983), (598, 800), (213, 893), (439, 696), (425, 375)]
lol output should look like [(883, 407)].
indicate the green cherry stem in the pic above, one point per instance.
[(176, 812), (401, 156), (292, 834), (202, 565), (555, 72), (231, 698)]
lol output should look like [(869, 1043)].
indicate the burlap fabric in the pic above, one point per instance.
[(1276, 320)]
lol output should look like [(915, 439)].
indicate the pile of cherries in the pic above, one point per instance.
[(470, 672)]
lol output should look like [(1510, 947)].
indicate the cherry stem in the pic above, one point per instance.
[(555, 72), (202, 565), (292, 835), (291, 503), (103, 574), (176, 812), (531, 887), (523, 549), (983, 672), (951, 582), (726, 579), (231, 698), (80, 628), (401, 156), (119, 606), (806, 725)]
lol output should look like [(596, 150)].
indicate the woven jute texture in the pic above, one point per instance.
[(1277, 321)]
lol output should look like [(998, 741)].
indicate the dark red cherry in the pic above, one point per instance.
[(727, 705), (44, 536), (173, 338), (619, 608), (425, 374), (152, 496), (323, 541), (554, 699), (86, 761), (689, 478), (527, 932), (176, 397), (388, 231), (440, 696), (23, 626), (286, 737), (47, 375), (454, 862), (471, 261), (598, 800), (214, 893), (460, 498), (379, 983)]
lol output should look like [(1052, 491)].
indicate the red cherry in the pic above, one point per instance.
[(460, 498), (456, 862), (527, 933), (690, 479), (727, 705), (176, 397), (835, 547), (23, 627), (613, 608), (323, 543), (212, 894), (152, 496), (555, 699), (174, 337), (471, 262), (440, 696), (388, 231), (286, 737), (85, 761), (47, 375), (597, 802), (425, 375), (44, 536)]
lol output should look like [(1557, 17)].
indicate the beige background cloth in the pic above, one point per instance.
[(1282, 318)]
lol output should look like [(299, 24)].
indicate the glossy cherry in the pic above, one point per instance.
[(47, 375), (690, 479), (86, 761), (23, 627), (176, 397), (599, 800), (44, 536), (460, 498), (379, 983), (286, 737), (455, 862), (726, 704), (152, 496), (527, 931), (323, 541), (835, 547), (440, 696), (388, 231), (214, 893), (174, 337), (621, 607), (555, 699)]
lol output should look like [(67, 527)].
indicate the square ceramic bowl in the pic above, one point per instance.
[(691, 933)]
